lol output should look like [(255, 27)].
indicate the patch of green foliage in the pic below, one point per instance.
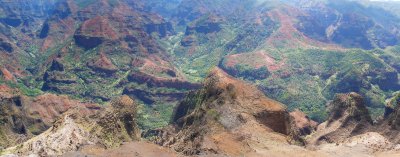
[(250, 73), (317, 75), (155, 116), (232, 38), (23, 88), (212, 113)]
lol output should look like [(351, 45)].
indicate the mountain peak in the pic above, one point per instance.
[(225, 105)]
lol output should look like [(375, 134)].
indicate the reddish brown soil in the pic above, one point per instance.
[(301, 120), (50, 106), (67, 29), (256, 60), (245, 119), (7, 74), (103, 63), (132, 149), (98, 27), (288, 35), (156, 71), (7, 92)]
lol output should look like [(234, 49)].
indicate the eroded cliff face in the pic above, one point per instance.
[(389, 126), (226, 116), (331, 22), (348, 117), (303, 124), (24, 117), (107, 127)]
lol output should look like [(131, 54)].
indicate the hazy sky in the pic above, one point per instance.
[(385, 0)]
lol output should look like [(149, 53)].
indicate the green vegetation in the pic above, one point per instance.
[(250, 73), (212, 113), (233, 38), (310, 77), (316, 75), (23, 88), (307, 78), (155, 116)]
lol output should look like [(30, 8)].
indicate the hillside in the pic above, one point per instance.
[(226, 117), (86, 53)]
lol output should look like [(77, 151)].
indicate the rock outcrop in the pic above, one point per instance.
[(226, 116), (348, 116), (56, 78), (162, 78), (303, 124), (94, 32), (390, 126), (152, 81), (57, 65), (5, 46), (24, 117), (107, 127), (102, 64), (258, 68), (6, 75), (205, 26), (162, 28)]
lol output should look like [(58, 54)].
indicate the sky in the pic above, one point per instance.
[(385, 0)]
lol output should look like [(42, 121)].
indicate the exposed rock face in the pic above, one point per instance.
[(117, 123), (23, 117), (210, 25), (65, 135), (171, 80), (57, 79), (188, 41), (390, 126), (5, 46), (163, 28), (150, 97), (6, 75), (348, 107), (348, 117), (103, 64), (332, 23), (57, 65), (304, 125), (93, 32), (152, 81), (258, 68), (108, 127), (221, 113)]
